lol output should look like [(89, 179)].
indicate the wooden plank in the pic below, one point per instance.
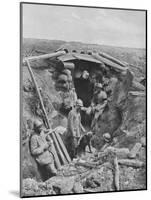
[(58, 148), (109, 62), (131, 162), (136, 93), (112, 59), (86, 58), (45, 56), (138, 85), (134, 151), (63, 147), (38, 92), (56, 159), (53, 150), (116, 174)]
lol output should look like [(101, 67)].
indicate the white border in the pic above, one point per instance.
[(9, 100)]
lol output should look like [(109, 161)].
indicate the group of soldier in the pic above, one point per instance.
[(41, 142)]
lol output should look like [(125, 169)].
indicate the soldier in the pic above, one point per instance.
[(85, 75), (40, 145), (73, 97), (110, 87), (74, 128), (106, 141), (69, 99), (98, 104)]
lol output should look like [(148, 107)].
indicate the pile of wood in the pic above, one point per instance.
[(117, 157)]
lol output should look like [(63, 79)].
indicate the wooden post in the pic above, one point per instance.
[(38, 92), (116, 174), (58, 148), (45, 56), (63, 147)]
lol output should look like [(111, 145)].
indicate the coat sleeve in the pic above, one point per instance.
[(81, 126), (71, 123), (35, 150)]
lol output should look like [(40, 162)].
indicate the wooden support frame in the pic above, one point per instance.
[(65, 158)]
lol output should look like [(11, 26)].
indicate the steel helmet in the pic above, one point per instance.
[(98, 85), (124, 72), (37, 123), (79, 102), (63, 77), (107, 137), (67, 72)]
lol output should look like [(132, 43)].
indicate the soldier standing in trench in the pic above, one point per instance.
[(40, 145), (74, 128), (98, 105)]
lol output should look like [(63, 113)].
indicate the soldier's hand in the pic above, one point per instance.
[(88, 111), (50, 142), (46, 146)]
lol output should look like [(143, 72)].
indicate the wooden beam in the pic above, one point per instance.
[(64, 161), (109, 62), (63, 147), (45, 56), (116, 174), (112, 59), (131, 162), (38, 92)]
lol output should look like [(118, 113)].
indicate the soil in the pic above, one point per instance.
[(129, 116)]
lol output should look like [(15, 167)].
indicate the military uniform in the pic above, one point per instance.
[(98, 104), (110, 87), (73, 97), (73, 131), (40, 150)]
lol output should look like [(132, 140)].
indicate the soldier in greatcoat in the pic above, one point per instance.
[(40, 145)]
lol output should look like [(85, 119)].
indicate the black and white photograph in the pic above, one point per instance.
[(83, 79)]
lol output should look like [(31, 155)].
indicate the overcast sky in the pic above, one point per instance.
[(88, 25)]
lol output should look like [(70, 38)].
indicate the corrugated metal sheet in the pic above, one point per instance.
[(66, 57), (74, 56), (108, 62), (96, 58), (86, 58), (115, 60)]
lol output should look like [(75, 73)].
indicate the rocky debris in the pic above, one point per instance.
[(77, 188), (105, 171), (30, 187), (62, 185), (132, 179)]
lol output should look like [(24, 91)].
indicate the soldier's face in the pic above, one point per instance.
[(78, 108), (97, 89), (40, 129)]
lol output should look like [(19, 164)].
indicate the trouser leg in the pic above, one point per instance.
[(70, 147), (51, 169), (75, 144)]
